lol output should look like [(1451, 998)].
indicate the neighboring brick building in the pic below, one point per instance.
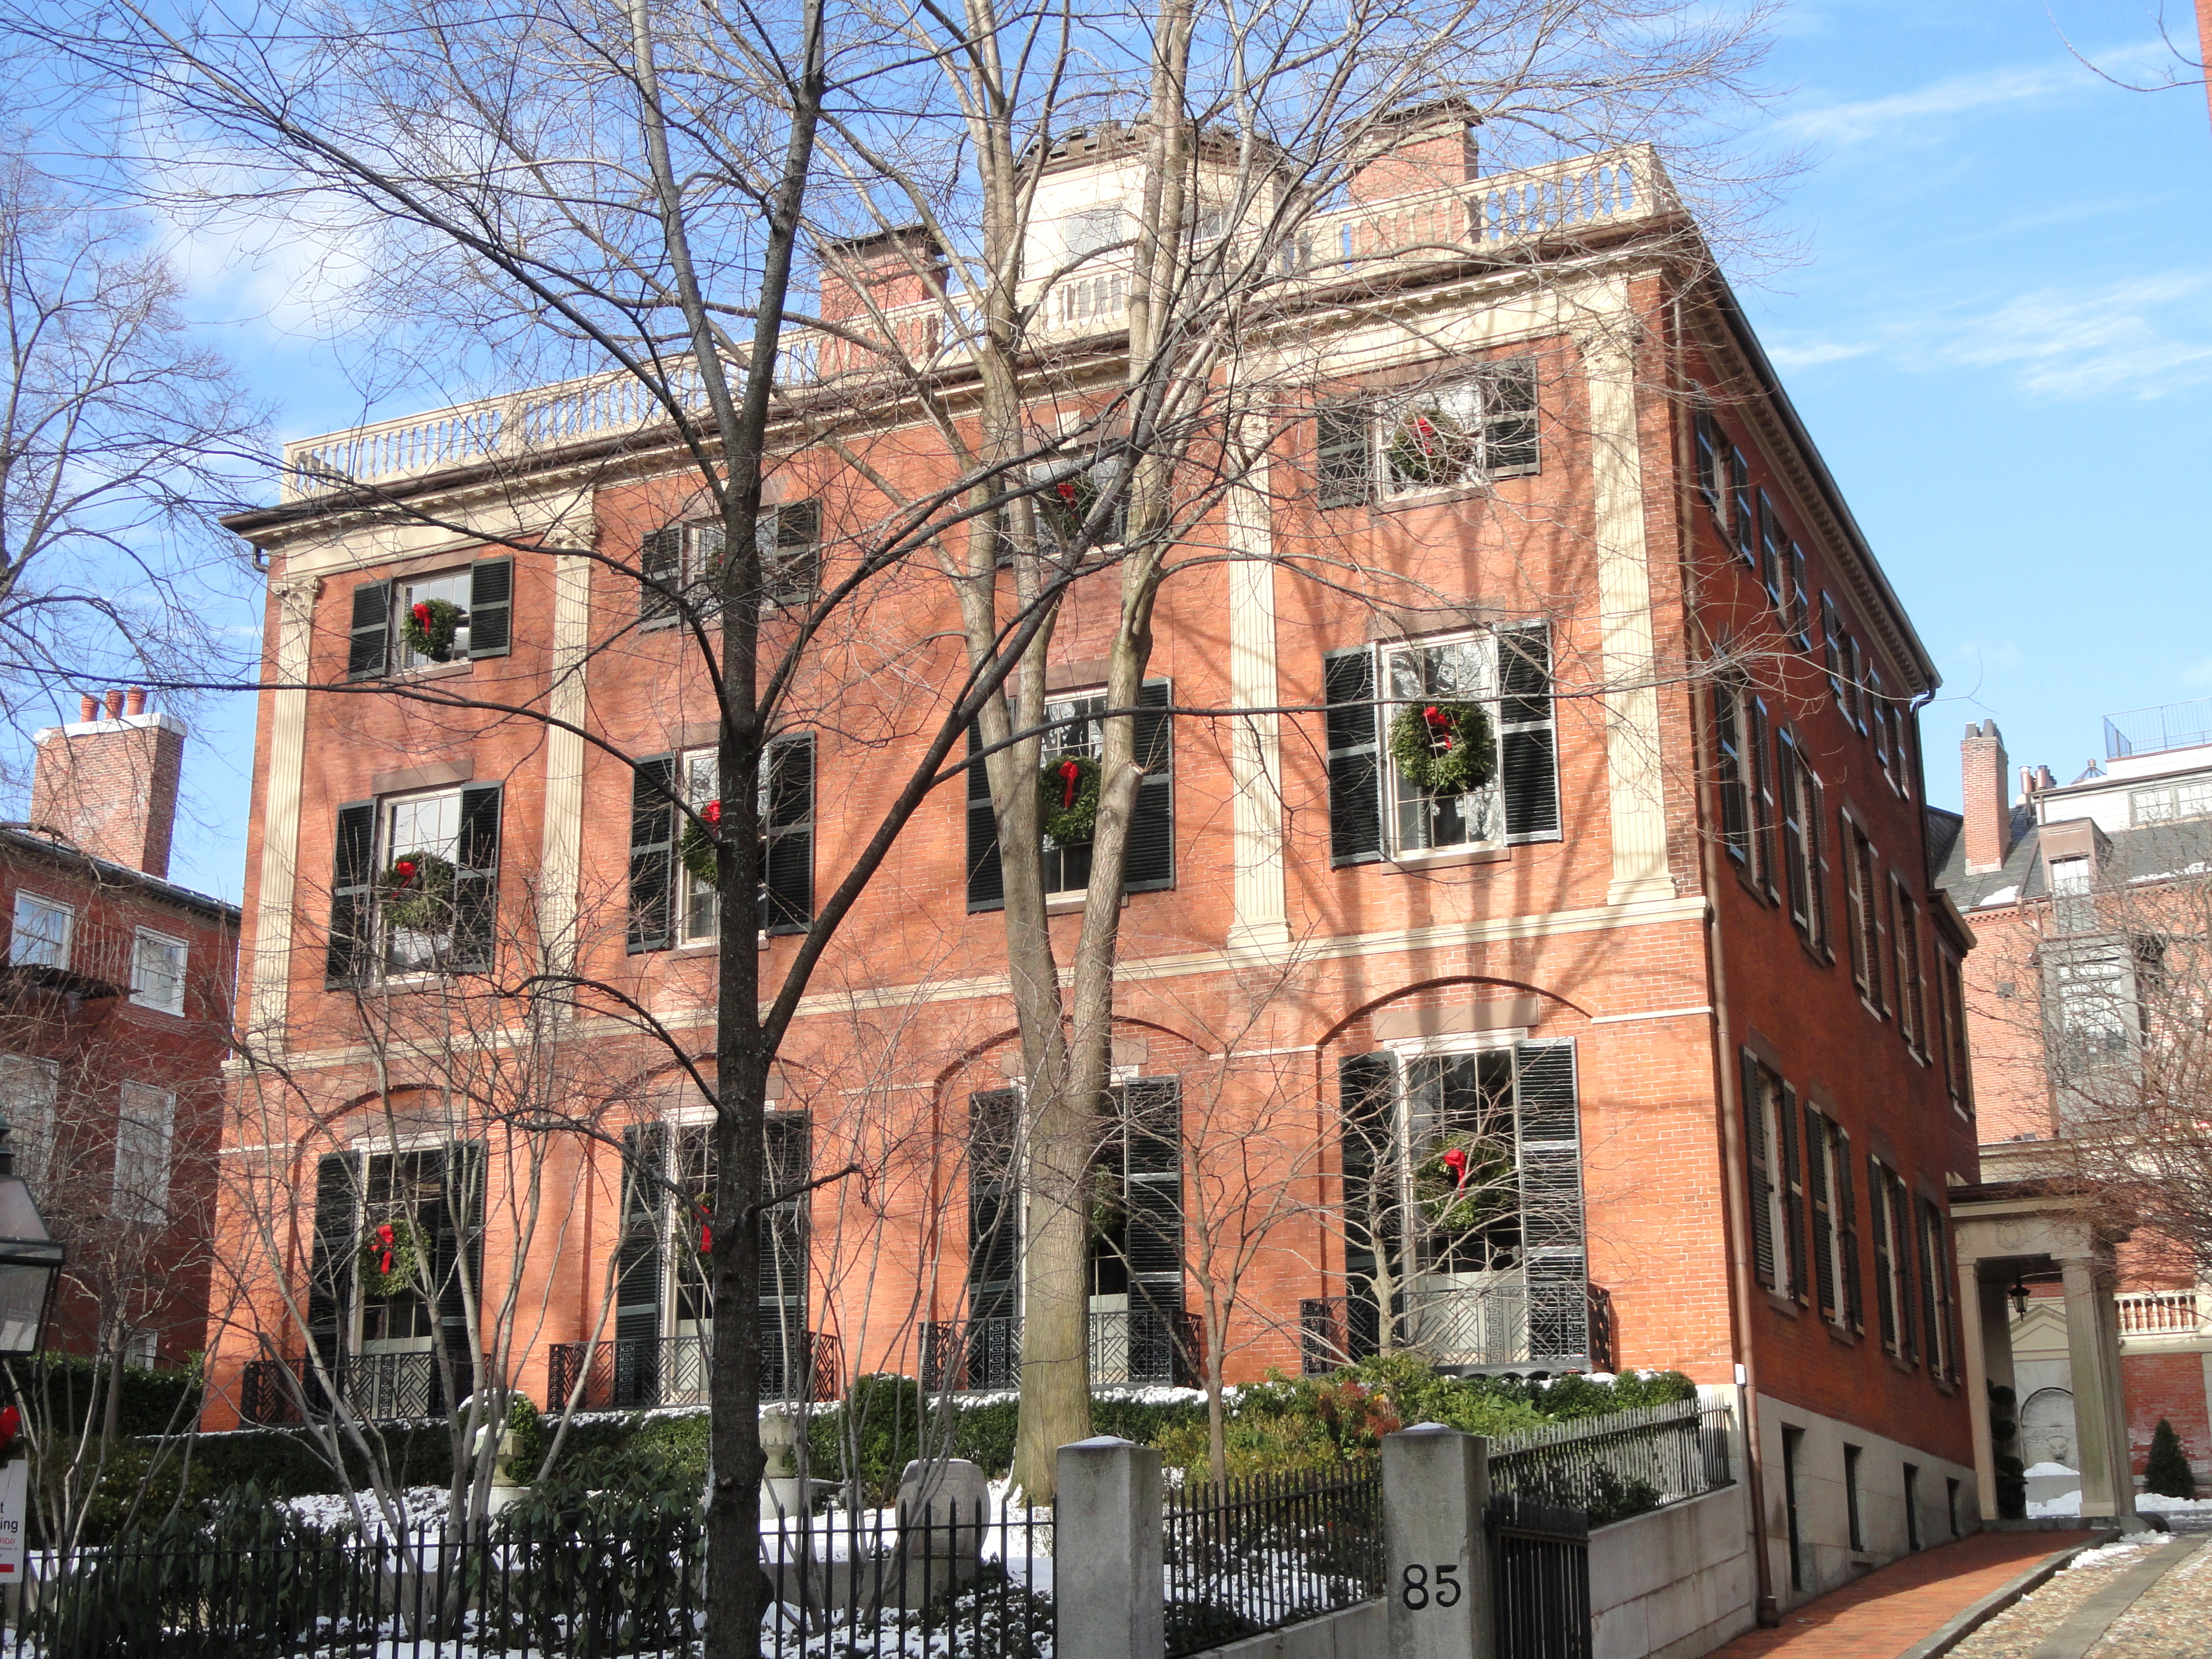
[(2071, 889), (114, 1032), (1680, 961)]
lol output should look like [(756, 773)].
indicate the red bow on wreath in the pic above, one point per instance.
[(1440, 725), (406, 869), (1070, 775), (11, 1420), (385, 1241), (1066, 490), (711, 812), (1425, 435), (422, 614), (706, 1238), (1456, 1161)]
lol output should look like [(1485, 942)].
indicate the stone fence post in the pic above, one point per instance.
[(1108, 1589), (1435, 1555)]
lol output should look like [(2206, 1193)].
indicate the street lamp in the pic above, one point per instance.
[(30, 1261), (2018, 1294)]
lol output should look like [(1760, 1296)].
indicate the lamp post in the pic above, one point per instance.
[(30, 1261)]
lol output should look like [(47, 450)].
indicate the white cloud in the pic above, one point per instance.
[(1915, 114), (2145, 336), (1814, 353), (2200, 675)]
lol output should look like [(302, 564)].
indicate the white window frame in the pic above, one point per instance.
[(30, 1095), (139, 991), (145, 1140), (698, 773), (402, 603), (1478, 415), (2173, 802), (27, 901), (1089, 703), (1410, 1052), (386, 851), (1491, 795)]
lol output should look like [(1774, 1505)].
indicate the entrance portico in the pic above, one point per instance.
[(2012, 1232)]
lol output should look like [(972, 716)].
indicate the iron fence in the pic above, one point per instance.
[(1137, 1345), (1539, 1578), (1256, 1555), (1542, 1326), (633, 1373), (378, 1386), (1622, 1464)]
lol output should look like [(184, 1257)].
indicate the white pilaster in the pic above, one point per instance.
[(274, 898), (561, 870), (1254, 756), (1624, 589)]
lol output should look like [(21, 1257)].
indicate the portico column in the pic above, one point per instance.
[(1976, 1337), (2092, 1352)]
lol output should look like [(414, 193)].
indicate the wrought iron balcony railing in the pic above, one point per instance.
[(1550, 1327), (381, 1387), (1137, 1345), (633, 1373)]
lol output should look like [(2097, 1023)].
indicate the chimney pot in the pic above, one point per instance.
[(88, 707), (114, 704), (1988, 834), (134, 700)]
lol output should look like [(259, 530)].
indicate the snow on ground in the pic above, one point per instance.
[(2050, 1468), (2120, 1552), (2147, 1503), (329, 1510)]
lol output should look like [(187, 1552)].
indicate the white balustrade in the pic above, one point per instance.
[(2165, 1313), (1484, 216)]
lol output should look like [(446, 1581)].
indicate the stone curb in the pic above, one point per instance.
[(1967, 1620)]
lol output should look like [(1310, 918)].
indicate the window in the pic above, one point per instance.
[(1935, 1292), (30, 1090), (1149, 863), (157, 972), (1742, 518), (1823, 1199), (1074, 733), (1770, 1124), (2171, 802), (143, 1131), (1951, 991), (1856, 1527), (1774, 560), (668, 905), (1863, 900), (41, 937), (481, 598), (1712, 482), (1890, 1210), (415, 884), (1831, 647), (1372, 806), (1472, 431), (2090, 1002), (684, 560), (1463, 1199), (2073, 908), (1746, 785), (1804, 854), (1911, 998), (1093, 229), (1797, 617)]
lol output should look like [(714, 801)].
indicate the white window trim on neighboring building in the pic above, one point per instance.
[(168, 996), (30, 948)]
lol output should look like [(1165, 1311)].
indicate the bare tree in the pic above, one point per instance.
[(121, 438)]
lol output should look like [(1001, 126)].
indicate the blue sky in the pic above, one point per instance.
[(1998, 328)]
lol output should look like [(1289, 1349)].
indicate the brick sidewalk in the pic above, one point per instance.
[(1886, 1611)]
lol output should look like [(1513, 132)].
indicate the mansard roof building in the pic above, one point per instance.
[(1672, 977)]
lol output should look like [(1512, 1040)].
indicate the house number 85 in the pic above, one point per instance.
[(1445, 1591)]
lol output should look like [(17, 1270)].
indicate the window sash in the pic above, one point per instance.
[(1418, 820), (43, 930), (145, 1129), (158, 967), (1495, 413)]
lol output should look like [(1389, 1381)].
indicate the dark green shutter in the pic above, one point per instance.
[(330, 1272), (1150, 864), (1152, 1143), (793, 568), (1885, 1299), (1367, 1091), (1820, 1202), (1508, 405), (994, 1235), (476, 880), (491, 607), (1794, 831), (1793, 1195), (1847, 1217), (660, 569), (457, 1248), (1923, 1252), (1344, 459), (352, 943), (368, 648), (1899, 1208), (1754, 1146), (786, 903), (787, 1153), (1708, 441), (1728, 768), (1527, 741), (639, 1257), (987, 880), (1548, 1124), (1355, 775), (651, 854)]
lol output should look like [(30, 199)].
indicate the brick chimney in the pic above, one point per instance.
[(108, 783), (900, 266), (1421, 148), (1988, 809)]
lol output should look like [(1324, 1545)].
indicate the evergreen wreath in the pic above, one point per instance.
[(431, 624), (389, 1257), (1465, 1182), (1067, 790), (1443, 748), (1429, 450), (697, 844), (418, 892), (1070, 501)]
